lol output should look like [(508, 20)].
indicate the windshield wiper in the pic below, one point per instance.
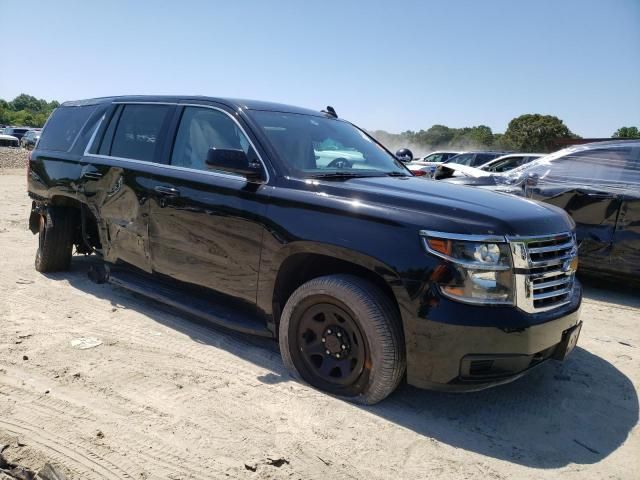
[(396, 174), (340, 175)]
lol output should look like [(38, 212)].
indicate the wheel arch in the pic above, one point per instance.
[(303, 261)]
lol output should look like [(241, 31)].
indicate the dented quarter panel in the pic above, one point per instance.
[(121, 202)]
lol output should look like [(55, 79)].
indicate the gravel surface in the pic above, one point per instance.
[(161, 397), (13, 158)]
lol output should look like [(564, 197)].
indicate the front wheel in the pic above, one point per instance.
[(341, 334)]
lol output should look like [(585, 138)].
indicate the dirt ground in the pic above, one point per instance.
[(164, 397)]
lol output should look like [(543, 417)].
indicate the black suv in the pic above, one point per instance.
[(297, 225)]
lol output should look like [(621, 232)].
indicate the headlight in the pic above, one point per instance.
[(480, 267)]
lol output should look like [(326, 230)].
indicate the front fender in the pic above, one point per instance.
[(400, 286)]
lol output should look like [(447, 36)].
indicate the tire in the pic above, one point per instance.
[(325, 311), (55, 240)]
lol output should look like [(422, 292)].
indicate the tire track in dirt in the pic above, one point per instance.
[(34, 409), (193, 358), (77, 457)]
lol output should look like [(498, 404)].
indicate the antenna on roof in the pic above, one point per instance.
[(330, 111)]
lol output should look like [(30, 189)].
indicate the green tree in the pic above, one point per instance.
[(627, 132), (27, 102), (26, 110), (473, 137), (535, 132), (435, 136)]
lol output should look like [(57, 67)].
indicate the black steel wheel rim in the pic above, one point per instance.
[(331, 345)]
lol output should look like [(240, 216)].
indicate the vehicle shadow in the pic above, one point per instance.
[(579, 411), (611, 291)]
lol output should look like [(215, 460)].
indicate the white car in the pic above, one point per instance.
[(9, 141), (429, 163), (509, 162), (497, 165)]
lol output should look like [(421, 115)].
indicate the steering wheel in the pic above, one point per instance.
[(340, 163)]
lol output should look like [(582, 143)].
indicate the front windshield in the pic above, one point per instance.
[(504, 164), (313, 146), (462, 159), (433, 157)]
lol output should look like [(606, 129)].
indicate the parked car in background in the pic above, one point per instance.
[(598, 184), (468, 159), (30, 139), (17, 132), (435, 157), (426, 165), (509, 162), (498, 165), (9, 141), (297, 225)]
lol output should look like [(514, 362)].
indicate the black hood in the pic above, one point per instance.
[(449, 208)]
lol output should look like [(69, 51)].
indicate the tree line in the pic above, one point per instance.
[(25, 110), (526, 133)]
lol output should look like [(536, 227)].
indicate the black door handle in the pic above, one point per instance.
[(92, 175), (167, 191)]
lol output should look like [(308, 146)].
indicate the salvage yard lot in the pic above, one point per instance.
[(164, 397)]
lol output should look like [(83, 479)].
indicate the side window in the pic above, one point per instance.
[(596, 166), (107, 138), (201, 129), (137, 132), (64, 126)]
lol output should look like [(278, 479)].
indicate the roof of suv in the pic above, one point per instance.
[(233, 103)]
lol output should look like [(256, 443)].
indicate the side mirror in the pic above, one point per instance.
[(234, 161), (531, 180), (404, 155)]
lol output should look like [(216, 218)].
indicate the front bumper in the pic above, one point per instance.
[(458, 347)]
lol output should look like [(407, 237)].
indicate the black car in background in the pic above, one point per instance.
[(17, 132), (30, 139), (598, 184)]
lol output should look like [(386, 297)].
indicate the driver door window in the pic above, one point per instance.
[(201, 129)]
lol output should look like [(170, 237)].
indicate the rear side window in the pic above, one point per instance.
[(137, 132), (63, 127)]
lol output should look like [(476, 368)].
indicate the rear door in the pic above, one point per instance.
[(206, 226), (625, 257), (117, 179)]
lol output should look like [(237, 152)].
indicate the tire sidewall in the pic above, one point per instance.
[(310, 294), (41, 239)]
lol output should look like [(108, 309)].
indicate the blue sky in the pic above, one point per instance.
[(392, 65)]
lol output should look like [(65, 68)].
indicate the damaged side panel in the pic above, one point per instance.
[(599, 187), (625, 256), (119, 199), (595, 213)]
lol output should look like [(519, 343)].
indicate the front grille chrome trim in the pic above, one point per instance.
[(552, 283), (552, 248), (544, 277)]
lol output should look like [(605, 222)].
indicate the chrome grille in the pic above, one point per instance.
[(544, 270)]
